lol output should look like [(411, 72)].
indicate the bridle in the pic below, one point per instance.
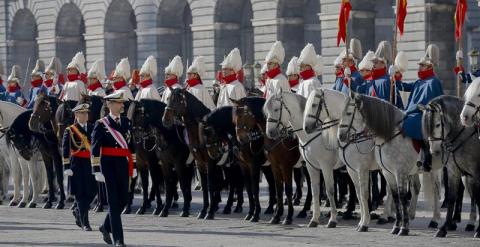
[(47, 109), (319, 123), (216, 144), (253, 133), (170, 107), (475, 107), (141, 135), (354, 136)]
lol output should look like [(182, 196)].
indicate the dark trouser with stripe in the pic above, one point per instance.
[(83, 186), (115, 170)]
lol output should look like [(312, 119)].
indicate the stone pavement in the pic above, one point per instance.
[(39, 227)]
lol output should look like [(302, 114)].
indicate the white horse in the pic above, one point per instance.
[(324, 108), (28, 172), (284, 111), (395, 154)]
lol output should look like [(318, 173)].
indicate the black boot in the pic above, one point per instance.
[(426, 161)]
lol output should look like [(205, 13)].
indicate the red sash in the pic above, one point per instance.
[(123, 151)]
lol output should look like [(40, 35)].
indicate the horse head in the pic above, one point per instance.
[(470, 112), (176, 107), (278, 116), (352, 122), (246, 127), (43, 112), (211, 139)]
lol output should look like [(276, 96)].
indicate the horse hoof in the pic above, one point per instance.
[(296, 202), (12, 204), (362, 229), (156, 211), (164, 214), (148, 205), (174, 205), (227, 210), (210, 216), (70, 199), (32, 205), (60, 205), (287, 221), (238, 209), (248, 217), (395, 230), (73, 206), (469, 228), (140, 211), (201, 215), (22, 205), (99, 209), (312, 224), (374, 216), (269, 210), (452, 227), (127, 210), (433, 224), (332, 224), (255, 219), (302, 214), (391, 219), (403, 232), (47, 205), (184, 214), (477, 235), (348, 215), (275, 220), (441, 233)]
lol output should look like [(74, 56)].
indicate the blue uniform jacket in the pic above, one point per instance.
[(2, 88), (422, 91), (11, 97), (357, 82), (32, 95), (381, 86), (467, 78)]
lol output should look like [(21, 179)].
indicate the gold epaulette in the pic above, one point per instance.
[(66, 161), (95, 161)]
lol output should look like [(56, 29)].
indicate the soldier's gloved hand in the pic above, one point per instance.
[(99, 177), (68, 172), (347, 72), (20, 100), (135, 174), (391, 70)]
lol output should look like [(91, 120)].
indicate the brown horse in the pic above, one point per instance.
[(283, 154)]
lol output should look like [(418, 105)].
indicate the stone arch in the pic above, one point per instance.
[(233, 28), (70, 30), (298, 24), (120, 34), (22, 45), (174, 20)]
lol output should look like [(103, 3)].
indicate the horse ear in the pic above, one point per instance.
[(358, 101), (422, 107)]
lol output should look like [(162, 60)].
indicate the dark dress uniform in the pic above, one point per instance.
[(112, 160), (76, 156)]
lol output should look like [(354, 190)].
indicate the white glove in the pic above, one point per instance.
[(391, 70), (99, 177), (20, 100), (347, 72), (68, 172), (135, 174), (459, 55)]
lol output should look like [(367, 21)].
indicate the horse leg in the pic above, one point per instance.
[(361, 181), (457, 215), (475, 187), (352, 198), (308, 200), (473, 212), (375, 201), (206, 204), (450, 199), (170, 186), (414, 183), (256, 192), (26, 183), (289, 193), (298, 178), (330, 187), (267, 172), (392, 184), (239, 184), (17, 176), (231, 190), (35, 179), (185, 173), (431, 190), (158, 176), (279, 189), (315, 185), (57, 161), (402, 182), (143, 173), (247, 175), (214, 189)]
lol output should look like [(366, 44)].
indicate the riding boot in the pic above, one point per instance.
[(425, 157), (298, 178), (375, 191)]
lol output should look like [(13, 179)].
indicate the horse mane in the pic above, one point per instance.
[(20, 125), (451, 107), (219, 120), (195, 108), (380, 116), (255, 104), (472, 89)]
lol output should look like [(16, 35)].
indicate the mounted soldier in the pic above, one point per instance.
[(275, 79), (113, 159), (173, 72), (76, 161), (365, 68), (351, 76), (2, 87), (95, 76), (134, 82), (427, 87), (120, 78), (307, 61), (14, 93), (195, 84), (75, 86), (231, 88), (53, 77), (147, 87), (36, 83), (263, 79)]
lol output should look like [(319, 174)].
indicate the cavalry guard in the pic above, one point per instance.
[(231, 88), (308, 61), (339, 76), (2, 87), (76, 161), (173, 72), (351, 77), (147, 87), (365, 68), (113, 159), (75, 86), (467, 78), (381, 80), (134, 82), (195, 85), (95, 76), (293, 74), (276, 81), (427, 87), (53, 77), (36, 83), (14, 94), (263, 79), (120, 77)]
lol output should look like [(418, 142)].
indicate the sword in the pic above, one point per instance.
[(26, 72)]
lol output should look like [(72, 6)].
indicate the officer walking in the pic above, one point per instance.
[(76, 159), (112, 160)]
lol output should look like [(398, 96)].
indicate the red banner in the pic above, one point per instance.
[(460, 13), (343, 17), (401, 15)]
